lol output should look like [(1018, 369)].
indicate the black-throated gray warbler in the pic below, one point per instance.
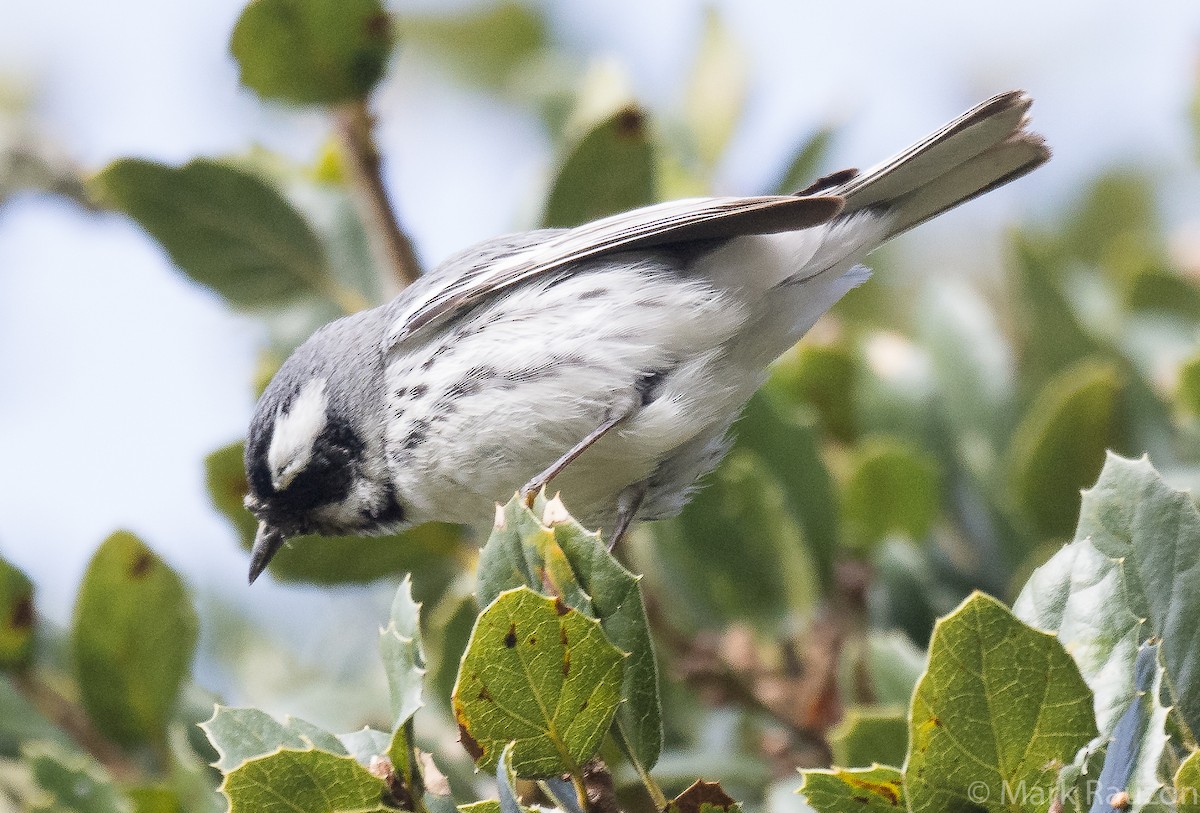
[(612, 357)]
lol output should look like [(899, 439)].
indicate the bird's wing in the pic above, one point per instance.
[(719, 218)]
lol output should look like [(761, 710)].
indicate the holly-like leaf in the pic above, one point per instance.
[(617, 603), (539, 674), (703, 797), (133, 636), (429, 551), (366, 744), (867, 735), (312, 51), (1001, 706), (16, 617), (891, 488), (878, 789), (290, 780), (403, 657), (1059, 447), (225, 228), (610, 170), (74, 783), (240, 735)]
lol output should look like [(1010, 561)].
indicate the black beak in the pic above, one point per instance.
[(267, 543)]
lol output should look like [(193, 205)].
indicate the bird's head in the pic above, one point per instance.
[(314, 458)]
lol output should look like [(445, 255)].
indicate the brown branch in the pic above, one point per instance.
[(75, 722), (391, 246)]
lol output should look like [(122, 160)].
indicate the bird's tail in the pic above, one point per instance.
[(984, 148)]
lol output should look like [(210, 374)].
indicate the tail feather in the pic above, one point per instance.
[(982, 149)]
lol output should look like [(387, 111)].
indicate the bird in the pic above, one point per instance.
[(612, 358)]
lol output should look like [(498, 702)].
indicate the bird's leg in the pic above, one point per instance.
[(628, 502), (612, 418)]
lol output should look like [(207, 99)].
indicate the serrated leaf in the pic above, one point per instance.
[(16, 617), (617, 602), (290, 780), (891, 488), (878, 789), (610, 170), (703, 797), (541, 674), (486, 45), (403, 657), (869, 735), (1059, 446), (1080, 596), (805, 163), (240, 735), (1135, 751), (787, 442), (312, 51), (717, 90), (429, 551), (133, 636), (1002, 706), (734, 553), (225, 228), (74, 783)]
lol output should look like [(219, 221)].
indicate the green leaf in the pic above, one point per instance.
[(867, 735), (1187, 393), (1080, 596), (289, 780), (155, 799), (1164, 291), (488, 45), (895, 665), (541, 674), (703, 797), (403, 657), (878, 789), (73, 782), (999, 710), (366, 744), (610, 170), (1059, 447), (823, 376), (430, 552), (16, 617), (1116, 216), (787, 442), (21, 722), (1187, 784), (717, 90), (617, 603), (891, 488), (806, 161), (225, 228), (312, 51), (133, 637), (558, 554), (240, 735), (734, 553)]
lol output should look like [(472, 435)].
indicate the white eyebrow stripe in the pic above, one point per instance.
[(295, 434)]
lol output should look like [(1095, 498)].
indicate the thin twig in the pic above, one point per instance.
[(75, 722), (392, 249)]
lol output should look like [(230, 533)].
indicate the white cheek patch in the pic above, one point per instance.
[(296, 432)]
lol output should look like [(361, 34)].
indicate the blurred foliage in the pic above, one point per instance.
[(926, 442)]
